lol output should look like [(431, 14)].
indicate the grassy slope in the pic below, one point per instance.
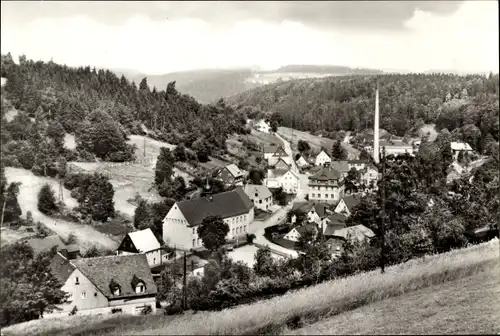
[(309, 304), (465, 306)]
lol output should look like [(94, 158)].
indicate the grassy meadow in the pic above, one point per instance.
[(306, 306)]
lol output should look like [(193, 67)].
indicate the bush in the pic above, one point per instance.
[(250, 238), (46, 200), (73, 311)]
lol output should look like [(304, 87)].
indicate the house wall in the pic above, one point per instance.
[(322, 158), (132, 307), (397, 150), (301, 162), (290, 183), (281, 164), (313, 216), (93, 297), (325, 193), (154, 257), (272, 183), (369, 175), (261, 203), (341, 207), (293, 235), (175, 229)]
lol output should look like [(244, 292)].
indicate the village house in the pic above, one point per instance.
[(260, 195), (322, 158), (272, 154), (359, 233), (369, 175), (346, 205), (357, 164), (181, 222), (457, 147), (314, 212), (332, 223), (286, 179), (39, 245), (281, 164), (327, 185), (230, 175), (295, 233), (301, 161), (105, 285), (144, 242), (263, 126)]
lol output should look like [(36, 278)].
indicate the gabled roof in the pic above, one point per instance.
[(335, 222), (455, 145), (280, 160), (309, 227), (144, 240), (45, 244), (323, 151), (122, 269), (307, 206), (327, 173), (280, 152), (360, 232), (61, 268), (342, 166), (271, 149), (275, 173), (320, 209), (234, 170), (351, 201), (262, 191), (226, 204)]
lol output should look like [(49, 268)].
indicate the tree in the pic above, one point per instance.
[(164, 166), (11, 209), (352, 180), (180, 153), (264, 262), (364, 155), (255, 176), (29, 289), (46, 199), (279, 196), (338, 152), (142, 214), (213, 231), (95, 196), (303, 146)]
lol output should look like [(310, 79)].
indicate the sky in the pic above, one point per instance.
[(162, 37)]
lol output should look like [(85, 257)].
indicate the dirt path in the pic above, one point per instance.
[(27, 198)]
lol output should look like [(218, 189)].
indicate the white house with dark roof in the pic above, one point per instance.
[(143, 241), (322, 158), (457, 147), (327, 185), (315, 212), (286, 179), (260, 195), (105, 285), (181, 222), (347, 204), (302, 162), (230, 175), (263, 126)]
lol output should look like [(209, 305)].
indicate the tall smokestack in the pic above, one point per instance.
[(376, 152)]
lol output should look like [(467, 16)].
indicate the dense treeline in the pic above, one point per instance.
[(102, 110), (406, 102)]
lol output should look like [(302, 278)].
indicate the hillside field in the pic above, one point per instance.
[(438, 273)]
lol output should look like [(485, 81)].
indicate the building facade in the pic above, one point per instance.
[(260, 195), (322, 158), (326, 186)]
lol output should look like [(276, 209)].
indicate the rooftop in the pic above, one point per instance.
[(144, 240), (261, 190), (234, 170), (226, 204), (327, 173)]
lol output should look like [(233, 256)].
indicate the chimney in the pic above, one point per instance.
[(376, 152)]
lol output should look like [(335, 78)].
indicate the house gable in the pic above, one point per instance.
[(280, 152), (127, 245), (281, 164), (293, 235), (342, 208)]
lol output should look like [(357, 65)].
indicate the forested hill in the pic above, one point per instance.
[(407, 101), (87, 102)]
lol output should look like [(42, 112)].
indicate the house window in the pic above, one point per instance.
[(116, 291), (312, 195), (260, 201), (77, 281), (333, 196), (194, 242), (326, 195), (256, 195), (83, 295), (140, 288), (154, 261), (194, 230)]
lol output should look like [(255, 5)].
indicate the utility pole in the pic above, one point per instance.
[(184, 289), (382, 219), (144, 146)]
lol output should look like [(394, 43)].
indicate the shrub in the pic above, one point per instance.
[(146, 310), (73, 311), (46, 200), (250, 238)]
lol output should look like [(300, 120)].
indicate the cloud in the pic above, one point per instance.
[(344, 14), (427, 39)]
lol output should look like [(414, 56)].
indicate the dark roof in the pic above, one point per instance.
[(327, 173), (342, 166), (336, 222), (61, 268), (122, 269), (288, 244), (351, 201), (71, 248), (226, 204), (44, 244), (309, 227), (271, 149), (303, 206), (320, 209)]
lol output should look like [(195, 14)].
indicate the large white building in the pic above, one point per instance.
[(322, 158), (326, 186), (181, 222), (286, 179)]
